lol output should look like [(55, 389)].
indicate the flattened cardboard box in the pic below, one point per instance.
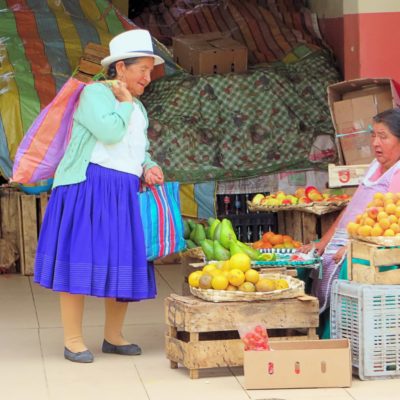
[(299, 364), (353, 104), (346, 175), (209, 53)]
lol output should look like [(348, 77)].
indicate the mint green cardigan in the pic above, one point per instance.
[(96, 119)]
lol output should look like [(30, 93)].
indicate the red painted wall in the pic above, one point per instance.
[(380, 45), (366, 45)]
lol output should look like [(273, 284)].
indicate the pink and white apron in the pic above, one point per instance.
[(322, 284)]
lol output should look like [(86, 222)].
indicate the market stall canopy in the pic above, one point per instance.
[(41, 43), (203, 128)]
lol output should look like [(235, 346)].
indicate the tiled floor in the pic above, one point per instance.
[(32, 364)]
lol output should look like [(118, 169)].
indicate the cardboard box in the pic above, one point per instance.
[(209, 53), (346, 175), (299, 364), (353, 104)]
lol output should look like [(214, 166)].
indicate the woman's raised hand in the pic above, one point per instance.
[(121, 91)]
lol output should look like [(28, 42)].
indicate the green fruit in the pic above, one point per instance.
[(213, 228), (207, 230), (192, 233), (217, 232), (190, 244), (227, 234), (208, 249), (236, 249), (252, 253), (192, 224), (199, 234), (210, 221), (186, 229), (220, 253)]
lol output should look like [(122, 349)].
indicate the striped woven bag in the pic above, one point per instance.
[(45, 142), (162, 220)]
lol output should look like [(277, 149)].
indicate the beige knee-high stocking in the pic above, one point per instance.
[(72, 315), (115, 316)]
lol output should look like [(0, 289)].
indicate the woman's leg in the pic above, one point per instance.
[(115, 317), (72, 316)]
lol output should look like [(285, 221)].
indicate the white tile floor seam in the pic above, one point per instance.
[(32, 364)]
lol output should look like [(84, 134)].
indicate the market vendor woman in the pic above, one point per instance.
[(383, 176), (91, 242)]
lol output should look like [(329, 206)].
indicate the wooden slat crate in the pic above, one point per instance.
[(365, 259), (303, 226), (203, 334), (21, 219), (89, 64), (9, 227)]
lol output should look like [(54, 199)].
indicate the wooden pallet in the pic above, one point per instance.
[(202, 334), (303, 226), (362, 253), (21, 219)]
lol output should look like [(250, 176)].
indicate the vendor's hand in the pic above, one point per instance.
[(121, 91), (339, 254), (306, 248), (153, 176)]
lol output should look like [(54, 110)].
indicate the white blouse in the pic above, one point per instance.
[(128, 154)]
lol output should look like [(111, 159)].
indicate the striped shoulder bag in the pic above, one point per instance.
[(162, 220)]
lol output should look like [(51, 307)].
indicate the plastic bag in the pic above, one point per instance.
[(254, 337)]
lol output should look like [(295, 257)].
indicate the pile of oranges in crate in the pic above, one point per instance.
[(380, 218), (271, 240)]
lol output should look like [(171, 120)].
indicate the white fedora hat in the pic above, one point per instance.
[(131, 44)]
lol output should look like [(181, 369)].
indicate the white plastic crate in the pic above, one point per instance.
[(369, 316)]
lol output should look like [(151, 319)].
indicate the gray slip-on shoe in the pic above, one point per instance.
[(80, 357), (124, 350)]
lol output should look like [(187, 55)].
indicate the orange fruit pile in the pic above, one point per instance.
[(275, 240), (380, 218)]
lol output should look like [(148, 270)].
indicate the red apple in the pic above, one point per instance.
[(304, 200), (287, 202), (309, 189), (314, 195)]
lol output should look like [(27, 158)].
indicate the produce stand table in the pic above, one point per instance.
[(202, 334)]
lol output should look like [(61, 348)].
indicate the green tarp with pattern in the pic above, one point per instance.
[(224, 127)]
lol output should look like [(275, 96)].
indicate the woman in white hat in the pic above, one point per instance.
[(91, 241)]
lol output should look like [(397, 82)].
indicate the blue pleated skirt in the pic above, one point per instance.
[(91, 241)]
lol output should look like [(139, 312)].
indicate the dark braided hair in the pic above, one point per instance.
[(112, 71), (390, 118)]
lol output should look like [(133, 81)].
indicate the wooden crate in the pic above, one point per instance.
[(202, 334), (9, 226), (365, 259), (21, 219), (303, 226)]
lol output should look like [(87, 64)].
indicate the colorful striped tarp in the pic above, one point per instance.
[(41, 42)]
